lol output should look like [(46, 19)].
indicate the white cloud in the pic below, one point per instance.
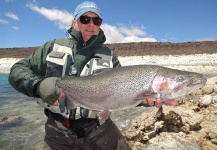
[(12, 16), (132, 30), (4, 21), (61, 17), (15, 27), (114, 34), (206, 39), (123, 34)]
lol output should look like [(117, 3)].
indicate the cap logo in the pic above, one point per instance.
[(89, 5)]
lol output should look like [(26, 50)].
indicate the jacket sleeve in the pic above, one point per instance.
[(26, 73)]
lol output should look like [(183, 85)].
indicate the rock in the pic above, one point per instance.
[(8, 119), (215, 88), (145, 122), (167, 141), (147, 128), (183, 119), (214, 99), (213, 134), (197, 92), (206, 100), (211, 81), (207, 89)]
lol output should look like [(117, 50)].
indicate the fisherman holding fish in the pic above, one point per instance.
[(81, 54)]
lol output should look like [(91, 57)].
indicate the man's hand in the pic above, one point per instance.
[(62, 95), (158, 103), (48, 90)]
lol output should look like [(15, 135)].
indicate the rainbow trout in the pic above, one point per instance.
[(125, 87)]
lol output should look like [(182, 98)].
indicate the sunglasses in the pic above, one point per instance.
[(96, 20)]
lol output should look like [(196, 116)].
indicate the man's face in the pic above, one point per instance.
[(87, 30)]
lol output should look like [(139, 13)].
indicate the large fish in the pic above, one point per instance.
[(125, 87)]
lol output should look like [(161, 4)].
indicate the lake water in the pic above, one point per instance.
[(27, 132)]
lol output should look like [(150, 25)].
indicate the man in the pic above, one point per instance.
[(37, 74)]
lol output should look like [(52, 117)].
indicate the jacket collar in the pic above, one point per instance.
[(96, 40)]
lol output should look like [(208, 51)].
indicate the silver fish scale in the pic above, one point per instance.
[(116, 89)]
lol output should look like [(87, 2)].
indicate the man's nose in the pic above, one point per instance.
[(91, 22)]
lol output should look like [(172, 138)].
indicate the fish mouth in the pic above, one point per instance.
[(186, 88), (191, 83)]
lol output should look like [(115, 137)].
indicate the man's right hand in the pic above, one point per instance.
[(158, 103), (48, 90)]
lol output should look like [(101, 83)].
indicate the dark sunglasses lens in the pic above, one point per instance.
[(85, 20), (97, 21)]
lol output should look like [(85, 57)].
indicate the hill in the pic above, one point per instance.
[(134, 49)]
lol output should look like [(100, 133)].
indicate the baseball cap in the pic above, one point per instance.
[(86, 7)]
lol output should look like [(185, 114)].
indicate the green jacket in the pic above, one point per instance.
[(26, 73)]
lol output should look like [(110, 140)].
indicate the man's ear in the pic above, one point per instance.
[(73, 23)]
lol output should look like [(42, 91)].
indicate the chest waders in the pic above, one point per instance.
[(60, 62)]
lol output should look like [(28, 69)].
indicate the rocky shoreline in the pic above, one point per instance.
[(191, 124)]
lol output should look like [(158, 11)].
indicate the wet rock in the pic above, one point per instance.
[(8, 119)]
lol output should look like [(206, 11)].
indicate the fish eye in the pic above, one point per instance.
[(179, 79)]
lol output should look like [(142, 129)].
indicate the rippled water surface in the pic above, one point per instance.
[(25, 132)]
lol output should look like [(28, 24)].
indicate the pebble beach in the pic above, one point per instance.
[(202, 63)]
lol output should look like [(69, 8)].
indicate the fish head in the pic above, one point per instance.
[(176, 84)]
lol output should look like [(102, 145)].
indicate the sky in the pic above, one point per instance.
[(28, 23)]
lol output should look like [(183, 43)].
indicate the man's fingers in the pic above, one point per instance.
[(61, 96), (150, 101), (158, 103), (170, 102), (145, 101), (56, 103)]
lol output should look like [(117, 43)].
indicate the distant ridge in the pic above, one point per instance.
[(133, 49)]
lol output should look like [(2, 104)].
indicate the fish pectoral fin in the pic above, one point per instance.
[(70, 104), (102, 116)]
